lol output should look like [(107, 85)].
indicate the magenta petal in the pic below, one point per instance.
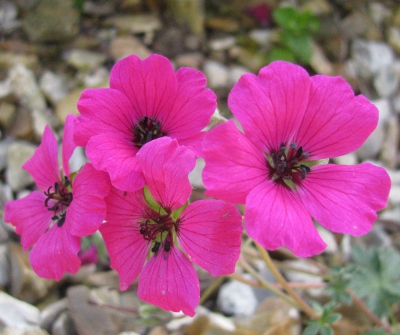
[(55, 253), (271, 105), (30, 216), (68, 144), (193, 107), (344, 199), (117, 156), (104, 110), (166, 167), (336, 122), (126, 246), (88, 208), (275, 217), (149, 84), (210, 233), (169, 281), (234, 165), (43, 165)]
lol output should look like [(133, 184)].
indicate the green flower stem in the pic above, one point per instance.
[(267, 285), (300, 302), (215, 284)]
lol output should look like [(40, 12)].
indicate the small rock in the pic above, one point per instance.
[(8, 16), (18, 154), (318, 7), (394, 195), (222, 43), (349, 159), (235, 72), (53, 86), (208, 323), (8, 59), (18, 331), (225, 24), (7, 114), (188, 14), (386, 82), (136, 24), (355, 25), (52, 21), (394, 38), (67, 105), (328, 237), (98, 8), (193, 60), (236, 298), (379, 12), (17, 313), (319, 62), (370, 56), (50, 313), (84, 60), (217, 74), (169, 42), (64, 325), (377, 237), (124, 46), (4, 266), (100, 77), (262, 36), (253, 61), (389, 153)]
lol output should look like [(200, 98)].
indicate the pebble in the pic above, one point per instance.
[(124, 46), (236, 298), (67, 105), (390, 148), (18, 153), (50, 313), (4, 266), (17, 313), (51, 21), (98, 8), (355, 25), (195, 176), (222, 43), (100, 77), (8, 16), (386, 82), (349, 159), (84, 60), (193, 60), (371, 56), (263, 37), (217, 73), (235, 72), (53, 86), (18, 331), (7, 114), (136, 24), (394, 38)]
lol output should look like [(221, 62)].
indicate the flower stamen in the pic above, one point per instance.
[(146, 130)]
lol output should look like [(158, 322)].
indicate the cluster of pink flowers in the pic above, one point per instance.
[(142, 137)]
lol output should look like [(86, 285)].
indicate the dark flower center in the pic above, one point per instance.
[(285, 165), (160, 231), (62, 198), (146, 130)]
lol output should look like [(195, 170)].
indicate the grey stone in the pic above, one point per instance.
[(7, 113), (370, 57), (50, 313), (217, 74), (136, 24), (237, 298), (235, 72), (349, 159), (17, 313), (263, 37), (394, 195), (192, 59), (84, 60), (377, 237), (4, 265), (98, 8), (18, 331), (18, 154), (52, 21), (393, 38), (386, 82), (100, 77), (124, 46), (67, 105), (8, 16), (53, 86), (64, 325), (222, 43), (329, 239), (390, 147), (188, 14), (355, 24), (379, 12), (195, 176)]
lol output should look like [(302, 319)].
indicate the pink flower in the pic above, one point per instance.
[(208, 232), (67, 207), (146, 100), (290, 122)]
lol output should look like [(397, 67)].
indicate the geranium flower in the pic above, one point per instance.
[(146, 100), (52, 220), (207, 232), (291, 122)]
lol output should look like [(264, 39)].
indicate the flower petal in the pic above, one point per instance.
[(336, 122), (88, 208), (166, 167), (30, 216), (43, 165), (344, 199), (55, 253), (234, 166), (193, 107), (275, 217), (117, 156), (68, 144), (126, 246), (210, 233), (271, 105), (169, 281), (149, 84), (104, 110)]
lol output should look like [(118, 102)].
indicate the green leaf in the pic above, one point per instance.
[(153, 204), (376, 278), (281, 53), (285, 17), (299, 44), (312, 328)]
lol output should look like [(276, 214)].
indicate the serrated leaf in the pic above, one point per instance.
[(312, 328), (325, 330), (281, 53), (332, 318), (285, 17), (299, 44)]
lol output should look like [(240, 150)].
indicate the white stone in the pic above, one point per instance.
[(84, 60), (195, 176), (386, 82), (262, 36), (53, 86), (329, 239), (217, 74), (235, 72), (237, 298), (17, 313), (222, 43), (18, 153)]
